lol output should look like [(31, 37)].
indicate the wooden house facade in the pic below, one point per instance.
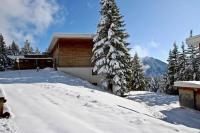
[(72, 54)]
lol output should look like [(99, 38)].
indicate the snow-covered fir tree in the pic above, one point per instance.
[(193, 62), (198, 64), (15, 48), (170, 74), (182, 65), (173, 71), (138, 79), (3, 56), (175, 57), (8, 50), (26, 49), (2, 45), (163, 84), (37, 51), (110, 52), (153, 84)]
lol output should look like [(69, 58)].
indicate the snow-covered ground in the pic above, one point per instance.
[(53, 102)]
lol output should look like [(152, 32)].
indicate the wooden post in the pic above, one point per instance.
[(1, 105), (58, 54), (18, 65), (3, 113), (199, 47)]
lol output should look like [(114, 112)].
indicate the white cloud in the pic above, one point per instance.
[(89, 4), (141, 51), (151, 49), (154, 44), (146, 67), (25, 19)]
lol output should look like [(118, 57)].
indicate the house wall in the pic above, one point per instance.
[(73, 56), (186, 97), (198, 100), (82, 72), (55, 55), (73, 53), (189, 97)]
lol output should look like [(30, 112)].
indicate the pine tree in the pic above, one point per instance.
[(198, 64), (37, 51), (110, 51), (182, 65), (14, 48), (170, 74), (138, 82), (27, 49), (163, 84), (192, 63), (9, 50), (175, 57), (173, 71), (2, 45), (153, 84), (3, 56)]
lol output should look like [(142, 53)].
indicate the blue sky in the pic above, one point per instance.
[(153, 25)]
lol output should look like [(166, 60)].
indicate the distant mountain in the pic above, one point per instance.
[(154, 67)]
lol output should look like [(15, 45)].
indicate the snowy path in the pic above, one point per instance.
[(52, 102)]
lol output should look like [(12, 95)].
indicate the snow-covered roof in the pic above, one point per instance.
[(194, 40), (189, 84), (22, 57), (57, 36), (15, 57)]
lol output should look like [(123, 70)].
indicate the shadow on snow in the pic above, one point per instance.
[(183, 116), (152, 99), (43, 76), (177, 116)]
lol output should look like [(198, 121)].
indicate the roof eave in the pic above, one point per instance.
[(189, 84)]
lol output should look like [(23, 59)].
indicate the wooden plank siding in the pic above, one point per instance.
[(186, 97), (73, 52), (197, 98), (189, 97)]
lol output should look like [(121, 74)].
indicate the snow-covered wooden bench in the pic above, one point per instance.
[(4, 112)]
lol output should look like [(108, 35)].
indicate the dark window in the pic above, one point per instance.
[(94, 73), (95, 84)]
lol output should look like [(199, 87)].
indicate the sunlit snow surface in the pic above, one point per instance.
[(53, 102)]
